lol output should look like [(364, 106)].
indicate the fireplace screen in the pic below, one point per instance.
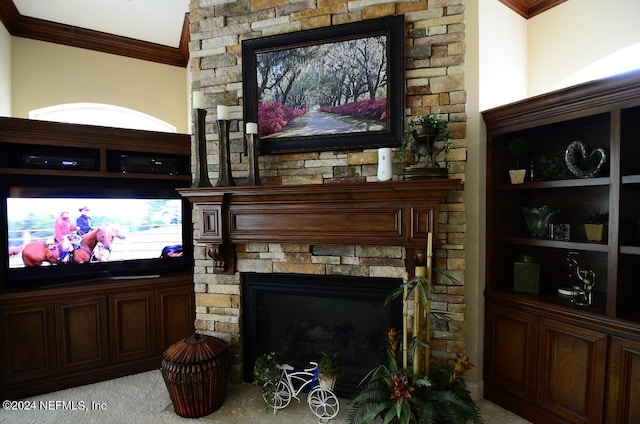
[(301, 316)]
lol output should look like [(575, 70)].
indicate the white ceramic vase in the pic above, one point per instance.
[(384, 164)]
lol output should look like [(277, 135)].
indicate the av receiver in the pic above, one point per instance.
[(58, 162), (148, 164)]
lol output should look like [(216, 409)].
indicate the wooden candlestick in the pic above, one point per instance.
[(225, 179), (201, 178)]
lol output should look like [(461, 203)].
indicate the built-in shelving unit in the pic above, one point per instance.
[(56, 337), (547, 358)]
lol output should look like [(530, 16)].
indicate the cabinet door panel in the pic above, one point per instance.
[(81, 333), (133, 326), (28, 342), (571, 374), (624, 383), (176, 315), (511, 343)]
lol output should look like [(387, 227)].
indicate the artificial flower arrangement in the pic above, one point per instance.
[(403, 394)]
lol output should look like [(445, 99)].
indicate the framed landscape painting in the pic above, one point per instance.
[(335, 88)]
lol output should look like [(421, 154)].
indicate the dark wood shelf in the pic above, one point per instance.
[(102, 147), (94, 174), (631, 179), (555, 244), (630, 250), (539, 185)]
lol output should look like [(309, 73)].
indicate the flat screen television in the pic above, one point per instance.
[(136, 231)]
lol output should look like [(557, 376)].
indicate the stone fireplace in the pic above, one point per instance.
[(241, 231), (434, 83)]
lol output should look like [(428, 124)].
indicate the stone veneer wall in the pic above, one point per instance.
[(434, 57)]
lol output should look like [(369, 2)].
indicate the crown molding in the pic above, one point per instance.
[(38, 29), (530, 8)]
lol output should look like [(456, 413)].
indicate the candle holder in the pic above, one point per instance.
[(251, 150), (225, 179), (201, 178)]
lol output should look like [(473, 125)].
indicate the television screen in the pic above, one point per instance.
[(59, 239)]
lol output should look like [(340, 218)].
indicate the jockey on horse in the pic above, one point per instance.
[(65, 240)]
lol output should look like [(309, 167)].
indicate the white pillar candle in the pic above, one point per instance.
[(252, 128), (198, 100), (223, 112)]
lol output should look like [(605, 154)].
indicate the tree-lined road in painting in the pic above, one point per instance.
[(322, 123), (337, 87)]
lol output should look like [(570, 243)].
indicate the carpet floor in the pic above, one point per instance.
[(143, 399)]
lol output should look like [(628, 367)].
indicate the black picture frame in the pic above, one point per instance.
[(312, 50)]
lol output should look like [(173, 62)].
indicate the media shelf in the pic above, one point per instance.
[(546, 332), (50, 148)]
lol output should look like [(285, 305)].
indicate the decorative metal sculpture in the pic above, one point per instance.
[(322, 402), (577, 157), (586, 281), (424, 146)]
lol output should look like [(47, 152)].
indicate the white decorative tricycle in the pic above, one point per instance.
[(322, 402)]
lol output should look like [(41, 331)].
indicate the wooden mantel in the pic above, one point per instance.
[(394, 213)]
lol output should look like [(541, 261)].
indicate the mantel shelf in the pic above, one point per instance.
[(394, 213)]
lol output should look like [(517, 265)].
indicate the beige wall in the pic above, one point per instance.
[(46, 74), (474, 201), (575, 34), (502, 46), (5, 72)]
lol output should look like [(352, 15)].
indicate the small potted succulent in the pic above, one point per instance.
[(517, 147), (594, 225), (329, 369)]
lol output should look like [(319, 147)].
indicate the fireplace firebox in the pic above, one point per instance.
[(301, 316)]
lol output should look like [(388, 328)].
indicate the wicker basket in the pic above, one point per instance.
[(196, 372)]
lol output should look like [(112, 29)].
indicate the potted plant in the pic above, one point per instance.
[(266, 374), (329, 369), (400, 397), (400, 394), (426, 137), (552, 167), (594, 225), (517, 147)]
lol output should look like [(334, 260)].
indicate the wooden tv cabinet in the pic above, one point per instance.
[(59, 337), (56, 338)]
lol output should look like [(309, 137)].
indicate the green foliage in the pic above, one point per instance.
[(517, 147), (432, 121), (552, 167), (266, 374), (440, 398), (265, 369), (596, 217), (426, 122), (423, 286), (330, 364), (395, 394)]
